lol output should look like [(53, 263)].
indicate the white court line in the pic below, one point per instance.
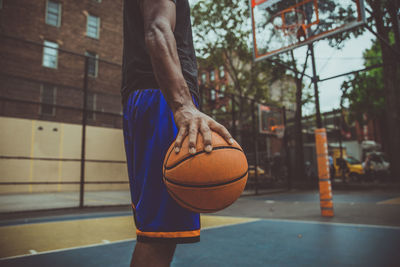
[(336, 223), (214, 227), (65, 249), (113, 242)]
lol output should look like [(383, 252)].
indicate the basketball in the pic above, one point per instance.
[(206, 182)]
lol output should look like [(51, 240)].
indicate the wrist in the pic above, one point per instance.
[(182, 105)]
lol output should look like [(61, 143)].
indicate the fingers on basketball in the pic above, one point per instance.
[(207, 139), (182, 133), (221, 130)]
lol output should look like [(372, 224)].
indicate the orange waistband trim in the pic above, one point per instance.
[(169, 234)]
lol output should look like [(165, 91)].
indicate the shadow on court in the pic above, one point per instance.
[(287, 231)]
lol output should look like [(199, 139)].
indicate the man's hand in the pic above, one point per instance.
[(190, 121)]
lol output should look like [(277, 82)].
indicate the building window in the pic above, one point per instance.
[(93, 26), (91, 106), (212, 95), (92, 63), (222, 90), (1, 4), (221, 72), (50, 54), (212, 75), (203, 78), (47, 99), (53, 13)]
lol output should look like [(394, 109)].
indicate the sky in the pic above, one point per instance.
[(330, 62)]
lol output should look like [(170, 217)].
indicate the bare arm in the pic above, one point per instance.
[(159, 23)]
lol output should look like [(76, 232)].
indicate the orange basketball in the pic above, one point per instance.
[(206, 182)]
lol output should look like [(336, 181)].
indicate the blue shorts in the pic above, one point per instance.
[(149, 130)]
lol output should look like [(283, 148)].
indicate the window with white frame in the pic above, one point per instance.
[(92, 63), (212, 95), (93, 26), (222, 90), (221, 72), (91, 106), (47, 99), (212, 75), (53, 13), (203, 78), (50, 54)]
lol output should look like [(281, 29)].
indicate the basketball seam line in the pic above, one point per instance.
[(193, 207), (208, 185), (200, 152)]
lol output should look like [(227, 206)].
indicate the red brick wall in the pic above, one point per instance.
[(21, 70)]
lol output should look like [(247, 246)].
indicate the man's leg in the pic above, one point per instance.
[(153, 254)]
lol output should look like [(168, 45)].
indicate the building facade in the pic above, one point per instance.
[(52, 52), (44, 49)]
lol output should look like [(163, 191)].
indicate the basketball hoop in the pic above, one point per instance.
[(282, 25), (289, 25)]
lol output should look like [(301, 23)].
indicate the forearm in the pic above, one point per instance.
[(161, 46)]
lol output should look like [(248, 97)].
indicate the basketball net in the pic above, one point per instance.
[(289, 26)]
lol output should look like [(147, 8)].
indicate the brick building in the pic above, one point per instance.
[(213, 83), (42, 68)]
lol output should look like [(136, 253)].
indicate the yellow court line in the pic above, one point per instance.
[(395, 201), (48, 236)]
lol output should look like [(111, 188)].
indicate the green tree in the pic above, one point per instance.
[(222, 34), (365, 92), (385, 15), (376, 92)]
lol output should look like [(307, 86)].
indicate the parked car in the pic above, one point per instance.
[(252, 170), (353, 168), (379, 167)]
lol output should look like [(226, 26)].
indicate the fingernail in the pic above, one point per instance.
[(177, 149), (192, 150), (231, 141), (208, 148)]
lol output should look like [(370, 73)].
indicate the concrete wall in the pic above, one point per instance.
[(28, 146)]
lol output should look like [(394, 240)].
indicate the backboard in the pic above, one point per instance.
[(282, 25), (270, 120)]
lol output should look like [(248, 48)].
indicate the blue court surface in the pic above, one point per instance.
[(264, 242)]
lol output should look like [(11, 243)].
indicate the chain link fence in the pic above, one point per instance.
[(61, 139)]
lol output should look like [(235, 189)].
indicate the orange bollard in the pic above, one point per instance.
[(325, 188)]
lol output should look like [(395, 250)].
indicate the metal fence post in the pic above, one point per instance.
[(255, 137), (84, 122), (287, 152), (233, 129)]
